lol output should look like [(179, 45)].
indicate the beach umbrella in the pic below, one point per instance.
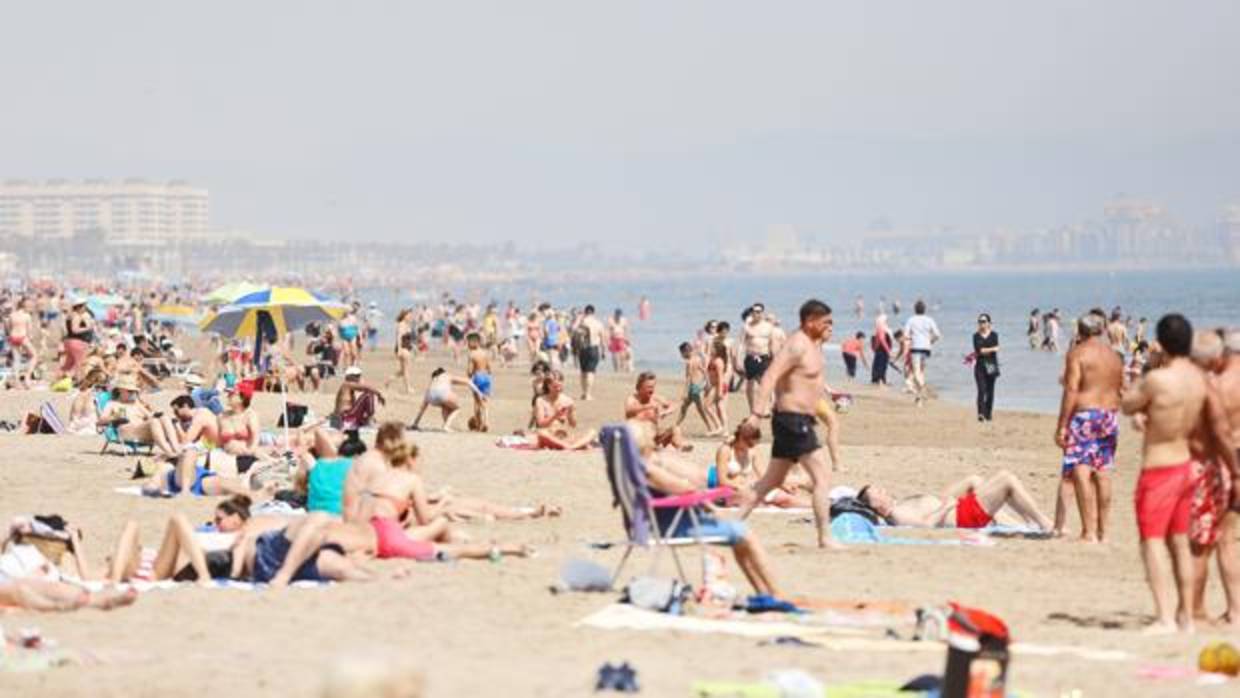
[(231, 292), (99, 303), (270, 313), (289, 308), (169, 314)]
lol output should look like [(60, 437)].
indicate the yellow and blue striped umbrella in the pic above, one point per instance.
[(230, 292), (289, 308)]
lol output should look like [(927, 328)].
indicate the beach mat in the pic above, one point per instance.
[(169, 585), (627, 617)]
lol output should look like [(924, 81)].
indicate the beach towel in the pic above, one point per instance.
[(855, 529), (515, 442)]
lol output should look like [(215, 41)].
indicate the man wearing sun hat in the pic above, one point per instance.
[(355, 401)]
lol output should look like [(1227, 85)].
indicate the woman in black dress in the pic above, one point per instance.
[(985, 367)]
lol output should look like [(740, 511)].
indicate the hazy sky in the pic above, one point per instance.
[(657, 122)]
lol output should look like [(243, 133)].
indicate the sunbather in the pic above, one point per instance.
[(750, 555), (190, 471), (47, 595), (399, 483), (555, 415), (137, 422), (973, 502), (83, 410), (238, 426), (183, 551), (316, 535), (355, 401), (737, 466)]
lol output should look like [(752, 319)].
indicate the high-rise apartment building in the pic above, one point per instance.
[(130, 210)]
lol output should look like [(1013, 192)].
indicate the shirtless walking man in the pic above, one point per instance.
[(1088, 429), (591, 351), (757, 344), (795, 380), (1171, 400)]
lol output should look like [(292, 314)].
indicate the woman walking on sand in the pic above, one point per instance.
[(985, 366)]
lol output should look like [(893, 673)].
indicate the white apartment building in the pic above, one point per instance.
[(128, 211)]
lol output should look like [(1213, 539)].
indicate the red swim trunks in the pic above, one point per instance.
[(1163, 500), (1211, 498), (970, 514), (394, 542)]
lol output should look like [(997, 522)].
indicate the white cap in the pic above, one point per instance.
[(352, 371), (193, 379)]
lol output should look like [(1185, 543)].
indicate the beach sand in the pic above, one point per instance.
[(481, 628)]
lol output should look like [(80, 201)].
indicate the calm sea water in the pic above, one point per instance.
[(1029, 379)]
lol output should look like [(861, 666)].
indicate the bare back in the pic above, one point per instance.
[(1101, 375), (1175, 397), (1228, 384)]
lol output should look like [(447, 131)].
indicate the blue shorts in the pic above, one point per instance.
[(200, 473), (482, 381), (348, 332), (269, 552), (709, 527)]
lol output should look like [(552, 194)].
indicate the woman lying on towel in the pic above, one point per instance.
[(318, 547), (973, 502), (30, 581), (750, 555), (398, 480), (184, 553), (47, 595), (190, 472)]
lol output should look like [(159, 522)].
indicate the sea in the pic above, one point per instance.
[(1029, 378)]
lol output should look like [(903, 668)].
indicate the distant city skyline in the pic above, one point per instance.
[(637, 124)]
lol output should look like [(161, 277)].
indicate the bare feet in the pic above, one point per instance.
[(109, 599), (1162, 627)]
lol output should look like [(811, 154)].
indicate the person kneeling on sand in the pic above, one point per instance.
[(973, 502)]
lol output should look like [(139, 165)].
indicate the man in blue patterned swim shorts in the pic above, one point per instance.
[(1088, 427)]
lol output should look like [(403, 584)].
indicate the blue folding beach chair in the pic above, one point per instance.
[(112, 436), (631, 493)]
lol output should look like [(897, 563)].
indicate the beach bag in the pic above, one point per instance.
[(296, 416), (657, 594)]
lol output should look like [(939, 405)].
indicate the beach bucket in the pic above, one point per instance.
[(977, 655)]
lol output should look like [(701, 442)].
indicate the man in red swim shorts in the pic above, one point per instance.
[(973, 502), (1171, 401)]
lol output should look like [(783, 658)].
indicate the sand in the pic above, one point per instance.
[(480, 628)]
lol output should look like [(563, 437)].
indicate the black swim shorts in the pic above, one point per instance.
[(756, 365), (588, 358), (793, 435)]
